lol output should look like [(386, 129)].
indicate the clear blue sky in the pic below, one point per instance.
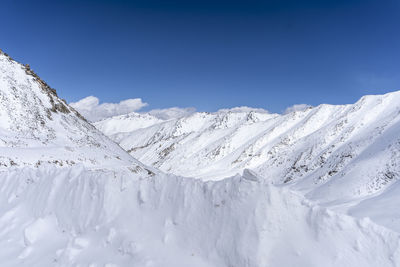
[(208, 54)]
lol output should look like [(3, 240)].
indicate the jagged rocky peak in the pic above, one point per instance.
[(37, 127), (57, 104)]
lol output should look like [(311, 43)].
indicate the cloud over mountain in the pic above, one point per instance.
[(297, 107), (91, 108)]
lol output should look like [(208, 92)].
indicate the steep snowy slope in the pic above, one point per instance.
[(37, 127), (127, 123), (193, 145)]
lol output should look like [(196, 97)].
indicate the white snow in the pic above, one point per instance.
[(314, 145), (245, 188), (86, 217)]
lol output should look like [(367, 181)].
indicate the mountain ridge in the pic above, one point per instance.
[(37, 127), (303, 123)]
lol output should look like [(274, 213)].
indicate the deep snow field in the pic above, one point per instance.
[(234, 188)]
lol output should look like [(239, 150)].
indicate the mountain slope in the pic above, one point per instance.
[(37, 127), (220, 144)]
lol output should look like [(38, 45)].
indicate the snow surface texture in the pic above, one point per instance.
[(71, 216), (107, 209)]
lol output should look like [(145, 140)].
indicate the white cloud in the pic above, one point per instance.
[(171, 113), (298, 107), (243, 109), (90, 108)]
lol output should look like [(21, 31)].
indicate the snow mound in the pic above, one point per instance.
[(78, 217)]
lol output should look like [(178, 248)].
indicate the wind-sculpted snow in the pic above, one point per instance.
[(72, 216)]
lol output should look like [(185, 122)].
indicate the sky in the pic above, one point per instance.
[(208, 54)]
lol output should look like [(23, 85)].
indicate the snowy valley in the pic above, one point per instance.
[(234, 188)]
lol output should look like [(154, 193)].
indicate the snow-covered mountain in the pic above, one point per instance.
[(69, 196), (37, 127), (322, 142), (332, 154)]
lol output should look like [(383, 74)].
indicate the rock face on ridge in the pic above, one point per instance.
[(37, 127)]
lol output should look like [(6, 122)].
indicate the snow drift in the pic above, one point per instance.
[(72, 216)]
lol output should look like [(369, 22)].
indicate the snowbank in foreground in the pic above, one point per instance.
[(78, 217)]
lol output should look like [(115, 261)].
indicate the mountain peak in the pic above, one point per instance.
[(32, 116)]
